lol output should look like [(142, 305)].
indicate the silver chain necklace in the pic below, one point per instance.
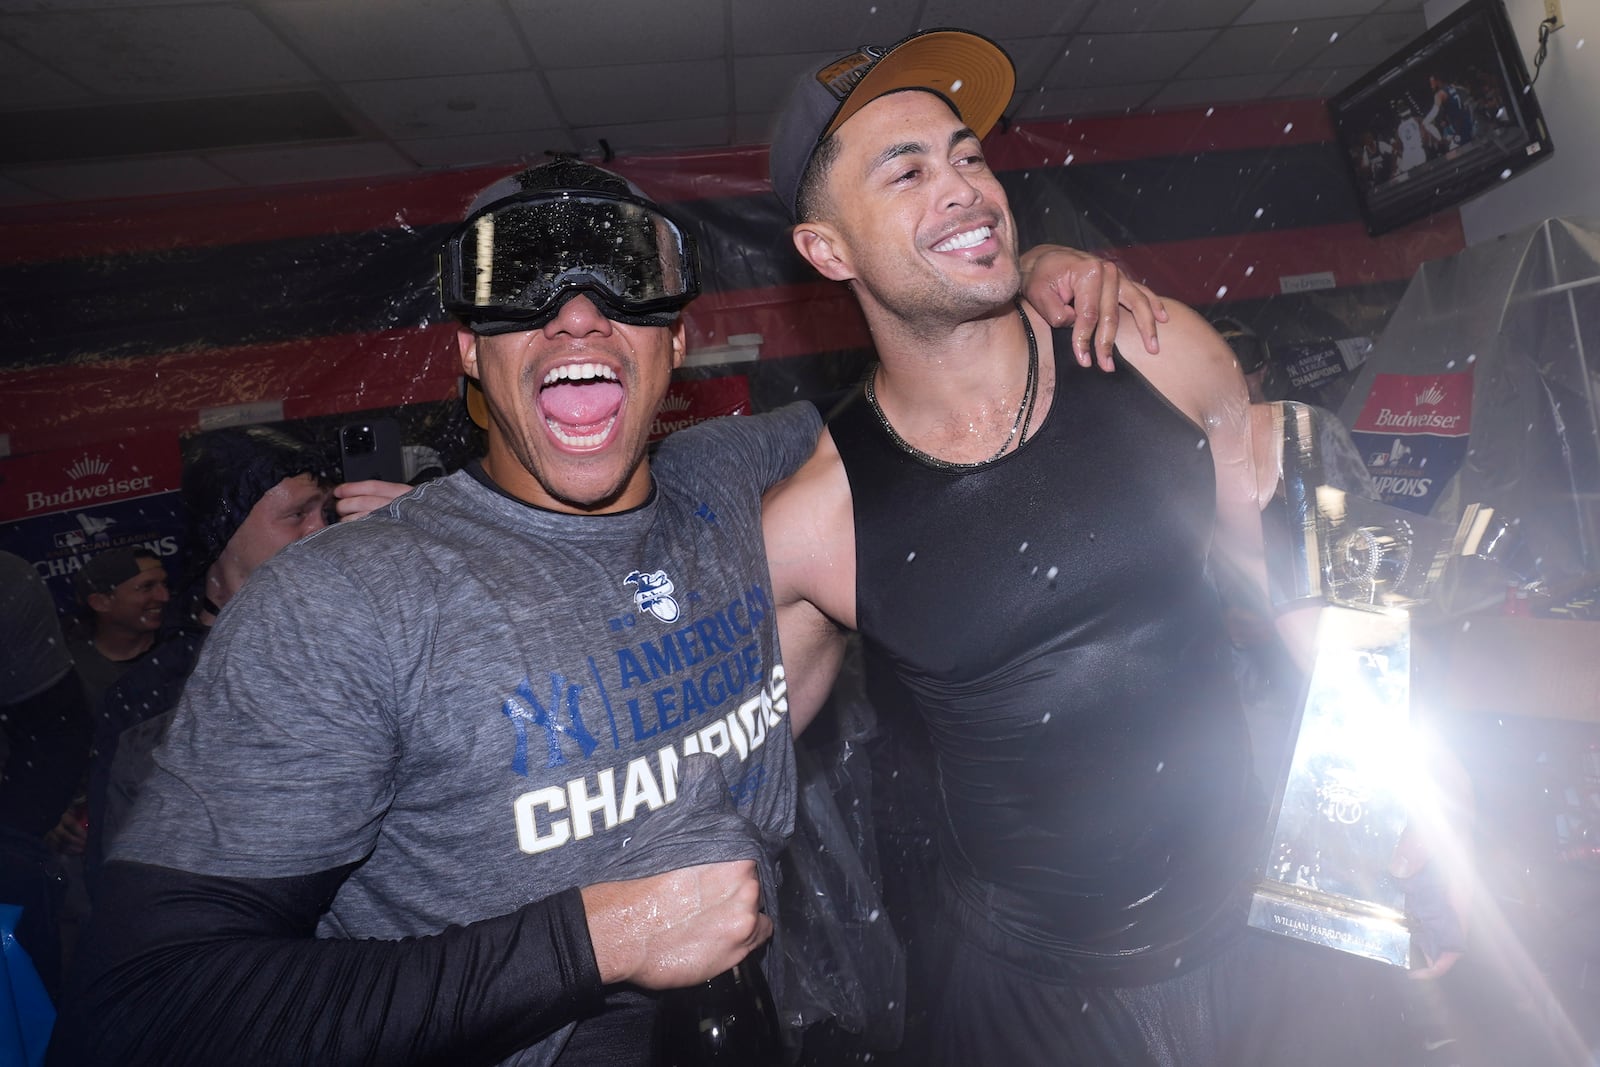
[(1020, 423)]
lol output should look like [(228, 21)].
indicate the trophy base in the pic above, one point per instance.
[(1331, 922)]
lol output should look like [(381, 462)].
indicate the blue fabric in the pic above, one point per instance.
[(26, 1014)]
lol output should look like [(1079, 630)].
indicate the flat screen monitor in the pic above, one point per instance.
[(1449, 116)]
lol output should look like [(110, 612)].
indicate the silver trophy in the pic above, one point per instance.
[(1339, 814)]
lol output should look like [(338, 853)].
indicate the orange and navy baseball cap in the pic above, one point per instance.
[(973, 74)]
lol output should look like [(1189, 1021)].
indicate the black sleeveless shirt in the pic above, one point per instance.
[(1051, 616)]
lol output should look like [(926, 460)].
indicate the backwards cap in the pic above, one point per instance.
[(104, 571), (970, 71)]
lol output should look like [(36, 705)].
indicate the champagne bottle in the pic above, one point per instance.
[(727, 1021)]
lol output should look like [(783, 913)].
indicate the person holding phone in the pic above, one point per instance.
[(420, 800), (248, 493)]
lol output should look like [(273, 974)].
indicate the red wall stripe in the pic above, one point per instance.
[(68, 405), (313, 376), (240, 216)]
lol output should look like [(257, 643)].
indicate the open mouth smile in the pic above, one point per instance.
[(580, 403), (965, 239)]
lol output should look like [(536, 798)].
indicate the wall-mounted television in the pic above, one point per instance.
[(1447, 117)]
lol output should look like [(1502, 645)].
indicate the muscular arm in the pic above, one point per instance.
[(816, 647), (1200, 377), (809, 528), (1244, 447), (1205, 383)]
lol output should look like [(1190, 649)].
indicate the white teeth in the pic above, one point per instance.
[(589, 440), (580, 372), (964, 240)]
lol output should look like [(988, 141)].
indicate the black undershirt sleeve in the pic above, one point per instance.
[(180, 968)]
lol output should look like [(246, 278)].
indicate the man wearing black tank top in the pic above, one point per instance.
[(1028, 549)]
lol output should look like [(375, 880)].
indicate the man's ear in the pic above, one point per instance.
[(680, 343), (99, 603), (469, 351), (824, 248)]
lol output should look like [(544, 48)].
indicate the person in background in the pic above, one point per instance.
[(44, 724), (248, 493), (420, 800), (123, 594), (122, 598)]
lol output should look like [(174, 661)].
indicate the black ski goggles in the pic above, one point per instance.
[(512, 266)]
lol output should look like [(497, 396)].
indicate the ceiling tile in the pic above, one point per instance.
[(469, 82), (456, 105), (285, 166), (20, 6), (1374, 40), (762, 83), (508, 146), (1034, 57), (644, 92), (1267, 46), (1124, 58), (1050, 104), (1318, 82), (362, 40), (1289, 10), (170, 50), (763, 27), (119, 179), (565, 33), (1123, 16), (1216, 90), (647, 137), (1000, 21), (25, 83)]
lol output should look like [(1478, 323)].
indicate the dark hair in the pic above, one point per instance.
[(808, 201)]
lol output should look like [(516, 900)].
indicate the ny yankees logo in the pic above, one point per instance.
[(654, 594)]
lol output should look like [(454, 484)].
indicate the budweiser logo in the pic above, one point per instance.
[(675, 403), (1431, 396), (86, 466)]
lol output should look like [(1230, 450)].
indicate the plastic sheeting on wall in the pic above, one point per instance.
[(1481, 402), (174, 313)]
